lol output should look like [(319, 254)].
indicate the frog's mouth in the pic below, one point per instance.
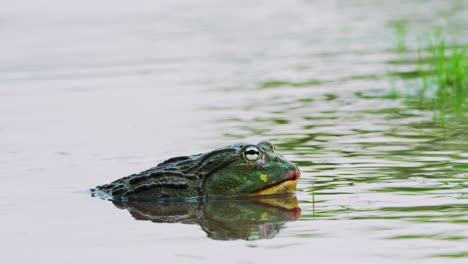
[(288, 186)]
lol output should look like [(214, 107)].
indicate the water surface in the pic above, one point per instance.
[(92, 92)]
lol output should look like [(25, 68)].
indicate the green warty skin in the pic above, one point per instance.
[(240, 169)]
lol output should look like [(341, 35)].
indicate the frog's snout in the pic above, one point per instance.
[(294, 173)]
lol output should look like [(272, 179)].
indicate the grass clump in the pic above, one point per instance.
[(443, 72)]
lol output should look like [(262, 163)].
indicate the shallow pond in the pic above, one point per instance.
[(91, 92)]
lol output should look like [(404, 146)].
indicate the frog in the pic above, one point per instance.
[(237, 170)]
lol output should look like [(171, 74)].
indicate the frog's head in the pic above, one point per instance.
[(250, 170)]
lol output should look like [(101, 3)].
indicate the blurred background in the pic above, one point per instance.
[(367, 97)]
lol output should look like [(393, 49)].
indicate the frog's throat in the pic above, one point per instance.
[(284, 187)]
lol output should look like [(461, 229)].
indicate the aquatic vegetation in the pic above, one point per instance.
[(448, 72), (400, 32), (442, 70)]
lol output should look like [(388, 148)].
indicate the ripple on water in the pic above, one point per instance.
[(119, 88), (365, 159)]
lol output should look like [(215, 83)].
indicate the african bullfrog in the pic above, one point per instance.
[(236, 170)]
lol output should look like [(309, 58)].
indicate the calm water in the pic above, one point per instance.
[(91, 92)]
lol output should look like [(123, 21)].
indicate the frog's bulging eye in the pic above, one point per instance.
[(251, 153)]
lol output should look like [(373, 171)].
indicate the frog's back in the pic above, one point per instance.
[(166, 180)]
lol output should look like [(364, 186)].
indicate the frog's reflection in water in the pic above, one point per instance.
[(247, 218)]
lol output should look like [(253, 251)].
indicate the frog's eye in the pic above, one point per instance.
[(251, 153)]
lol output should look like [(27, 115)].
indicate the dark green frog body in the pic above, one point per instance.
[(240, 169)]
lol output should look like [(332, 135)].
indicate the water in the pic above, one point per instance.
[(91, 92)]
